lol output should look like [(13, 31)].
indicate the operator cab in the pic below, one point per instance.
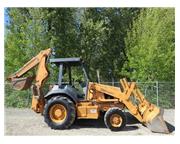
[(72, 75)]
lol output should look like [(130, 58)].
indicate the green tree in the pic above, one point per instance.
[(137, 43), (150, 46), (72, 32), (62, 29), (111, 55), (119, 20), (25, 36)]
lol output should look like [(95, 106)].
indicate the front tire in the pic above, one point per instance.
[(59, 112), (115, 119)]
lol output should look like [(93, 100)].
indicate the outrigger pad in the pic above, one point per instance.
[(22, 83), (158, 124)]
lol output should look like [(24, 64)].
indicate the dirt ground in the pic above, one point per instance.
[(26, 122)]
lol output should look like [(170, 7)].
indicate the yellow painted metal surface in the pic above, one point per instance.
[(58, 113), (37, 105), (86, 110), (143, 110), (41, 76)]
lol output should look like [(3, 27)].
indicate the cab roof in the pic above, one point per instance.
[(67, 61)]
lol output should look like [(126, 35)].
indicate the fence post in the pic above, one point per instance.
[(157, 93), (98, 77), (112, 81), (145, 92)]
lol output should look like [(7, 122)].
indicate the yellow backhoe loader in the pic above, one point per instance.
[(82, 99)]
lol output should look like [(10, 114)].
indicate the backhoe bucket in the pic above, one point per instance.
[(157, 124), (22, 83)]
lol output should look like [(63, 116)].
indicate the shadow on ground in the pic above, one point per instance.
[(130, 125), (91, 123)]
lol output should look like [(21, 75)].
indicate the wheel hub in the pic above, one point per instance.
[(116, 120), (58, 113)]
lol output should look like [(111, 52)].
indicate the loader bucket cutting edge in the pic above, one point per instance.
[(158, 124), (22, 83)]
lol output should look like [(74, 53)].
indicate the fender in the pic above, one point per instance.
[(67, 90)]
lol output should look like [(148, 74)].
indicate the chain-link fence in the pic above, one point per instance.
[(160, 93)]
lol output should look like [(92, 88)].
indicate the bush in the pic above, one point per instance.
[(14, 98)]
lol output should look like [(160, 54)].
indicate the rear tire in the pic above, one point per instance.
[(115, 119), (59, 112)]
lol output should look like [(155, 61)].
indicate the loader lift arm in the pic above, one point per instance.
[(20, 83)]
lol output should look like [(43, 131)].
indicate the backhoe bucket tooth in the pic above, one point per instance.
[(158, 124), (22, 83)]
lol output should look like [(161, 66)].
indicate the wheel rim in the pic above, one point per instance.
[(58, 113), (116, 120)]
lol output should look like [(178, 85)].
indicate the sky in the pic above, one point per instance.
[(6, 17)]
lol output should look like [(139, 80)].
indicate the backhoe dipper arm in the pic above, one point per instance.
[(31, 64)]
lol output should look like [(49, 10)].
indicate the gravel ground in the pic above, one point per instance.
[(26, 122)]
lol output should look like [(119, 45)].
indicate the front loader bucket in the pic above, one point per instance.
[(22, 83), (157, 124), (146, 112)]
